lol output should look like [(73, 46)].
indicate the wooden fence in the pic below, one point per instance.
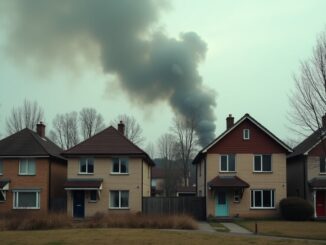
[(193, 206)]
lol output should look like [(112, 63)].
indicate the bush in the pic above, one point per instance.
[(295, 208)]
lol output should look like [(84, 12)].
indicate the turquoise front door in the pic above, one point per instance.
[(221, 204)]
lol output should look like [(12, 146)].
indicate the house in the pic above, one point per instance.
[(32, 172), (307, 170), (107, 173), (242, 173)]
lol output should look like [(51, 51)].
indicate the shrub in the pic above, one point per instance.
[(295, 208)]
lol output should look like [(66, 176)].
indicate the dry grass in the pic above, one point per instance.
[(131, 236), (298, 229), (101, 220), (29, 221), (23, 221)]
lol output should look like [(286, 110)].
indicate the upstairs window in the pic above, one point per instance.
[(246, 134), (86, 166), (27, 167), (322, 165), (1, 167), (263, 163), (120, 165), (227, 163)]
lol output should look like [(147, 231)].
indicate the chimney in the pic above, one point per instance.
[(121, 128), (40, 129), (323, 121), (229, 122)]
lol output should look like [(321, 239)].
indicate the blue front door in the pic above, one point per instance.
[(78, 204), (221, 204)]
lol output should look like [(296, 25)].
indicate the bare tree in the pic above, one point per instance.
[(167, 146), (25, 116), (65, 130), (133, 130), (150, 150), (308, 100), (91, 122), (184, 131)]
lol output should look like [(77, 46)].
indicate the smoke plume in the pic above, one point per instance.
[(149, 65)]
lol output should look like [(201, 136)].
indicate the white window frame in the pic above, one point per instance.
[(227, 164), (252, 198), (120, 159), (87, 159), (28, 160), (246, 134), (236, 196), (119, 207), (3, 192), (261, 164), (16, 199), (90, 196)]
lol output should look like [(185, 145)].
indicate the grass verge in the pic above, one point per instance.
[(297, 229), (219, 227), (132, 236)]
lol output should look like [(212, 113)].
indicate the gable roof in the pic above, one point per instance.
[(28, 143), (107, 142), (226, 132), (309, 143)]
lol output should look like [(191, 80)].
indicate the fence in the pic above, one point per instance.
[(193, 206)]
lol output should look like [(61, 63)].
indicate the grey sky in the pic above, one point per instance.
[(253, 49)]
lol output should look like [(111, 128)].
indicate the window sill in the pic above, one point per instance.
[(2, 201), (26, 174), (113, 173), (92, 201), (119, 208), (323, 173), (226, 172), (85, 173), (262, 172), (253, 208), (26, 208)]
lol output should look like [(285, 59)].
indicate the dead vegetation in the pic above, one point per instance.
[(24, 221)]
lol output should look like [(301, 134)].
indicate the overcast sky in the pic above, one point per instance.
[(253, 48)]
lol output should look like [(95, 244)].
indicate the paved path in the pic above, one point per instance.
[(204, 226), (234, 228)]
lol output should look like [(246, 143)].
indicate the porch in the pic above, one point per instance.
[(318, 186)]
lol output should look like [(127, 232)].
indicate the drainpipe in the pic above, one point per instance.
[(314, 199)]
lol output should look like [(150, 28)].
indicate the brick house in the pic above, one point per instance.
[(107, 173), (307, 170), (242, 173), (32, 172)]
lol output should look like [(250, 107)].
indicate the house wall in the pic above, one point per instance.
[(296, 179), (58, 195), (201, 178), (39, 180), (102, 169), (244, 169), (259, 142), (146, 179)]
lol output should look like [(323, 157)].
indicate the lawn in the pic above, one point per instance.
[(131, 236), (303, 229)]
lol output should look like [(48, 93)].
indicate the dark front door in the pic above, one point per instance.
[(320, 203), (78, 204)]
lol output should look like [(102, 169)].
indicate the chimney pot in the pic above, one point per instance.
[(121, 127), (229, 122), (40, 129)]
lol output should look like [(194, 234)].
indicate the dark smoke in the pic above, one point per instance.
[(149, 65)]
